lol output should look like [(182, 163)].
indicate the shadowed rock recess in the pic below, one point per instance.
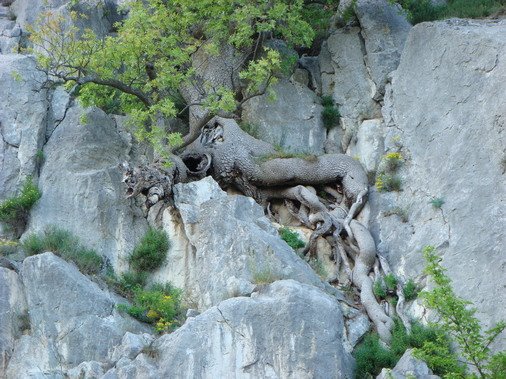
[(434, 94)]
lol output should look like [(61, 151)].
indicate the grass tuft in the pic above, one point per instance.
[(66, 246)]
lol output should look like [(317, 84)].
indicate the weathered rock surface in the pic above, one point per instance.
[(72, 320), (345, 76), (286, 330), (449, 114), (384, 29), (81, 185), (292, 121), (99, 15), (23, 108), (12, 311), (228, 239)]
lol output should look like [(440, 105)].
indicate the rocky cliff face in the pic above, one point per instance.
[(434, 93)]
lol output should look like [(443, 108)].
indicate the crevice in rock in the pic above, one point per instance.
[(228, 324)]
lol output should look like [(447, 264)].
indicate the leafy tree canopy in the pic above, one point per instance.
[(140, 69)]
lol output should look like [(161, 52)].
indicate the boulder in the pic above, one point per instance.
[(23, 107), (224, 246), (292, 121), (71, 317), (448, 112), (81, 185), (286, 330)]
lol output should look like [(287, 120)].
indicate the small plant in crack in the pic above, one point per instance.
[(437, 202)]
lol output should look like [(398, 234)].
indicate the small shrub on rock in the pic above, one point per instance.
[(330, 113), (151, 251), (410, 290), (14, 212), (62, 243), (160, 305), (126, 283), (291, 238)]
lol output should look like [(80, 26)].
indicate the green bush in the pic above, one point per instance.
[(14, 212), (291, 238), (379, 289), (388, 183), (160, 305), (410, 290), (65, 245), (126, 283), (371, 356), (390, 282), (151, 251), (330, 113)]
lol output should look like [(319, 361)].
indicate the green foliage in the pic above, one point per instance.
[(387, 183), (330, 113), (318, 15), (16, 76), (349, 12), (126, 283), (392, 162), (291, 238), (371, 356), (440, 357), (425, 10), (437, 202), (39, 157), (459, 320), (160, 305), (138, 71), (14, 212), (379, 289), (65, 245), (387, 179), (410, 290), (390, 282), (151, 251)]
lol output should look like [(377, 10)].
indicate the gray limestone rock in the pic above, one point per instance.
[(81, 186), (287, 330), (223, 246), (384, 29), (12, 314), (23, 109), (99, 15), (369, 145), (292, 121), (345, 75), (72, 319), (449, 113)]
